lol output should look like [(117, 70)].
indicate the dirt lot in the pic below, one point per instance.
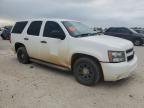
[(38, 86)]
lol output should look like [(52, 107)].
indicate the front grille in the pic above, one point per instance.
[(130, 54)]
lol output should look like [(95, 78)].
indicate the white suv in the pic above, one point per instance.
[(71, 45)]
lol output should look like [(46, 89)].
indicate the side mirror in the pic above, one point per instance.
[(62, 37), (58, 34)]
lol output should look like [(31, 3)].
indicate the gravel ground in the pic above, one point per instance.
[(38, 86)]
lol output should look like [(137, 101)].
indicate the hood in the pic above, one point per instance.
[(110, 41)]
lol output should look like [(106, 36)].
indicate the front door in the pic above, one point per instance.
[(53, 49)]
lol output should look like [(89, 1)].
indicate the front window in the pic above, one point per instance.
[(77, 29)]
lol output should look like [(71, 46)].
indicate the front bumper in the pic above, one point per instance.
[(117, 71)]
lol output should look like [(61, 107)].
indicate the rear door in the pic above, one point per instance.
[(127, 34), (31, 39), (123, 33), (119, 32), (53, 49), (112, 32)]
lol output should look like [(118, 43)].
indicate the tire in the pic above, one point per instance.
[(138, 42), (22, 55), (87, 71)]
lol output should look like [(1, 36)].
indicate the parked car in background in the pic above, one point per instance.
[(98, 30), (126, 33), (71, 45), (6, 32)]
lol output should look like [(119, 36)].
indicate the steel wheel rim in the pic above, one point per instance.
[(137, 42), (85, 71)]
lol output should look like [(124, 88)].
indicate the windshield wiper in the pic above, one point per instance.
[(86, 34), (94, 34), (83, 35)]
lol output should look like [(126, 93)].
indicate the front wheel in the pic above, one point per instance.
[(87, 71), (22, 55)]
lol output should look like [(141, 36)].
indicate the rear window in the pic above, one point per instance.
[(34, 28), (19, 27)]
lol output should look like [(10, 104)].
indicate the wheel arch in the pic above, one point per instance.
[(76, 56), (17, 45)]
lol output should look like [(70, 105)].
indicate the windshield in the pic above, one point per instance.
[(77, 29), (133, 31)]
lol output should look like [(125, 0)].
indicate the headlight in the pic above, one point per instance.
[(116, 56)]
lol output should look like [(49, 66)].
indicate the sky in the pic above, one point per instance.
[(101, 13)]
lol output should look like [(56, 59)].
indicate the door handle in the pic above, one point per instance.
[(26, 38), (43, 42)]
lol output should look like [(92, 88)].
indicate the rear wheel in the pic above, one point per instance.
[(138, 42), (87, 71), (22, 55)]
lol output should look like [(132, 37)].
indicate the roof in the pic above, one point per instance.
[(46, 19)]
